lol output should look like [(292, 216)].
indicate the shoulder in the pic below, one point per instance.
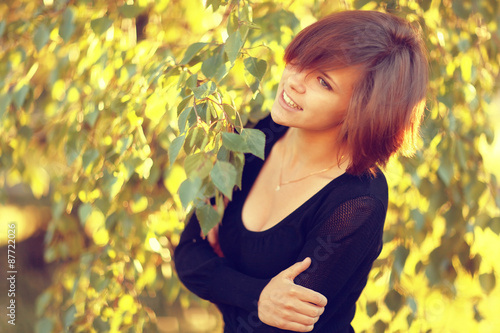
[(356, 201), (350, 187)]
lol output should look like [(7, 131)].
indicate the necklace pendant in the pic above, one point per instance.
[(278, 187)]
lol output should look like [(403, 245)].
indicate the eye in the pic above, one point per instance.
[(324, 83)]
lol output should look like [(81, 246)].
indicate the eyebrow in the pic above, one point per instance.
[(331, 80)]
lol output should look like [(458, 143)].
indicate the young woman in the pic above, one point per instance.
[(299, 239)]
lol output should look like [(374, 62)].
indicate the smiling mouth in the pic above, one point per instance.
[(290, 102)]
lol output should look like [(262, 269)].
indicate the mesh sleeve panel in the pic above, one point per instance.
[(342, 249)]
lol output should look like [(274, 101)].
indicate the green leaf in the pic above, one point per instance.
[(459, 9), (425, 4), (239, 163), (400, 255), (222, 71), (255, 140), (84, 212), (41, 303), (182, 105), (208, 217), (194, 139), (393, 300), (112, 185), (5, 100), (188, 191), (131, 11), (445, 170), (233, 46), (474, 192), (210, 66), (25, 132), (67, 27), (197, 165), (20, 96), (380, 326), (461, 155), (412, 304), (123, 144), (44, 325), (100, 325), (224, 177), (41, 36), (256, 67), (495, 225), (234, 142), (88, 157), (249, 141), (91, 115), (214, 3), (233, 23), (371, 308), (3, 24), (245, 13), (191, 51), (487, 281), (101, 25), (183, 118), (69, 317), (419, 219), (223, 154), (231, 113), (72, 148), (175, 148), (205, 90)]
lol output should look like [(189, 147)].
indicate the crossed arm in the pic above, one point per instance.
[(295, 299), (282, 303)]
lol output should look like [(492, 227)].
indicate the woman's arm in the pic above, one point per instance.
[(209, 276), (342, 248), (286, 305)]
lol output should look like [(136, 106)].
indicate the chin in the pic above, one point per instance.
[(284, 117), (277, 116)]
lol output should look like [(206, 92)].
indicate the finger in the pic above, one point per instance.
[(302, 319), (296, 307), (297, 268), (213, 237), (309, 310), (308, 295), (293, 326)]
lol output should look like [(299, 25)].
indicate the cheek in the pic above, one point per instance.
[(331, 109)]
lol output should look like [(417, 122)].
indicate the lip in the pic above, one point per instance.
[(285, 104)]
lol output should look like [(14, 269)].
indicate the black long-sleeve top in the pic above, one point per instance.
[(339, 228)]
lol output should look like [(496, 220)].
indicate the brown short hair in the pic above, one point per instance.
[(387, 104)]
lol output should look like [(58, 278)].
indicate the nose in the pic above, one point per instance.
[(296, 80)]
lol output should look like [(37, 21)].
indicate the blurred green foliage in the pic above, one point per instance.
[(128, 114)]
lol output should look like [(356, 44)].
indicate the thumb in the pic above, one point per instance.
[(297, 268)]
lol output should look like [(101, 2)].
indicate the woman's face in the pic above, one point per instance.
[(314, 100)]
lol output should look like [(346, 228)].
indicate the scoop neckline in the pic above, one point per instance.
[(289, 216)]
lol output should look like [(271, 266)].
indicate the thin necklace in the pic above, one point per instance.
[(281, 183)]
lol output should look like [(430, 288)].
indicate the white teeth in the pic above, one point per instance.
[(289, 101)]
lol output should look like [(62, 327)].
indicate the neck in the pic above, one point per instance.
[(306, 149)]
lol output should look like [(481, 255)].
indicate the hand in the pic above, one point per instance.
[(288, 306)]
